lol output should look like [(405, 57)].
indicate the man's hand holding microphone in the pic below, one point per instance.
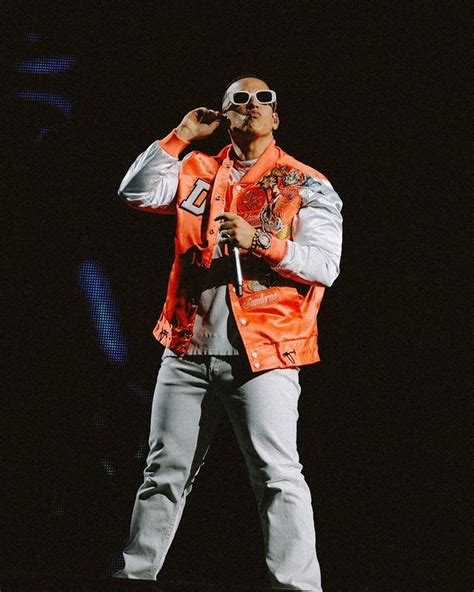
[(200, 123)]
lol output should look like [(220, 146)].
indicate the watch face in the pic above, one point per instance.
[(264, 240)]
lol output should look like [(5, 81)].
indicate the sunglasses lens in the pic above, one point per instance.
[(240, 98), (264, 96)]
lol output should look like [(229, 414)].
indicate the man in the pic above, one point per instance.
[(232, 348)]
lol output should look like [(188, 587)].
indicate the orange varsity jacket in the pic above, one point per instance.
[(277, 314)]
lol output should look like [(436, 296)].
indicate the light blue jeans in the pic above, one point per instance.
[(190, 396)]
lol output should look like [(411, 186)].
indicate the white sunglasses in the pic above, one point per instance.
[(242, 97)]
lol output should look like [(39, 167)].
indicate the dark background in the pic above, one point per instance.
[(371, 95)]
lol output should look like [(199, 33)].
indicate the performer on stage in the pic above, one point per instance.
[(258, 237)]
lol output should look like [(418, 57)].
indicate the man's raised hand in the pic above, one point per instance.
[(199, 124)]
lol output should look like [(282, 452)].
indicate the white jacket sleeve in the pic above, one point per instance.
[(314, 253), (152, 180)]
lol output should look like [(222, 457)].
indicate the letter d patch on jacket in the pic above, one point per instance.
[(196, 200)]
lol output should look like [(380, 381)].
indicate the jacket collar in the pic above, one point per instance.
[(266, 160)]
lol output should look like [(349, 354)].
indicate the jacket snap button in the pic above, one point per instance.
[(243, 321), (211, 231), (254, 354), (257, 365)]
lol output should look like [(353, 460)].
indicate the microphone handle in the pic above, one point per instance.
[(238, 278)]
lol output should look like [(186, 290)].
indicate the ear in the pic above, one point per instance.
[(276, 121)]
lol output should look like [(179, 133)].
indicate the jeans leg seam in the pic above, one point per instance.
[(164, 550)]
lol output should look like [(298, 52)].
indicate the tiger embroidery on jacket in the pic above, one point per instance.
[(274, 201)]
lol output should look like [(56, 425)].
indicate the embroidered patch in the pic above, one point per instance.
[(269, 181), (284, 233), (258, 300), (269, 220), (285, 207), (255, 286), (283, 176), (274, 201), (294, 177), (290, 192), (290, 356), (282, 186), (249, 204)]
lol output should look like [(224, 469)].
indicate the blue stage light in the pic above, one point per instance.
[(33, 37), (103, 311), (52, 99), (41, 66)]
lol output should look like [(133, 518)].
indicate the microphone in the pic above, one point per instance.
[(224, 120), (238, 278), (235, 256)]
